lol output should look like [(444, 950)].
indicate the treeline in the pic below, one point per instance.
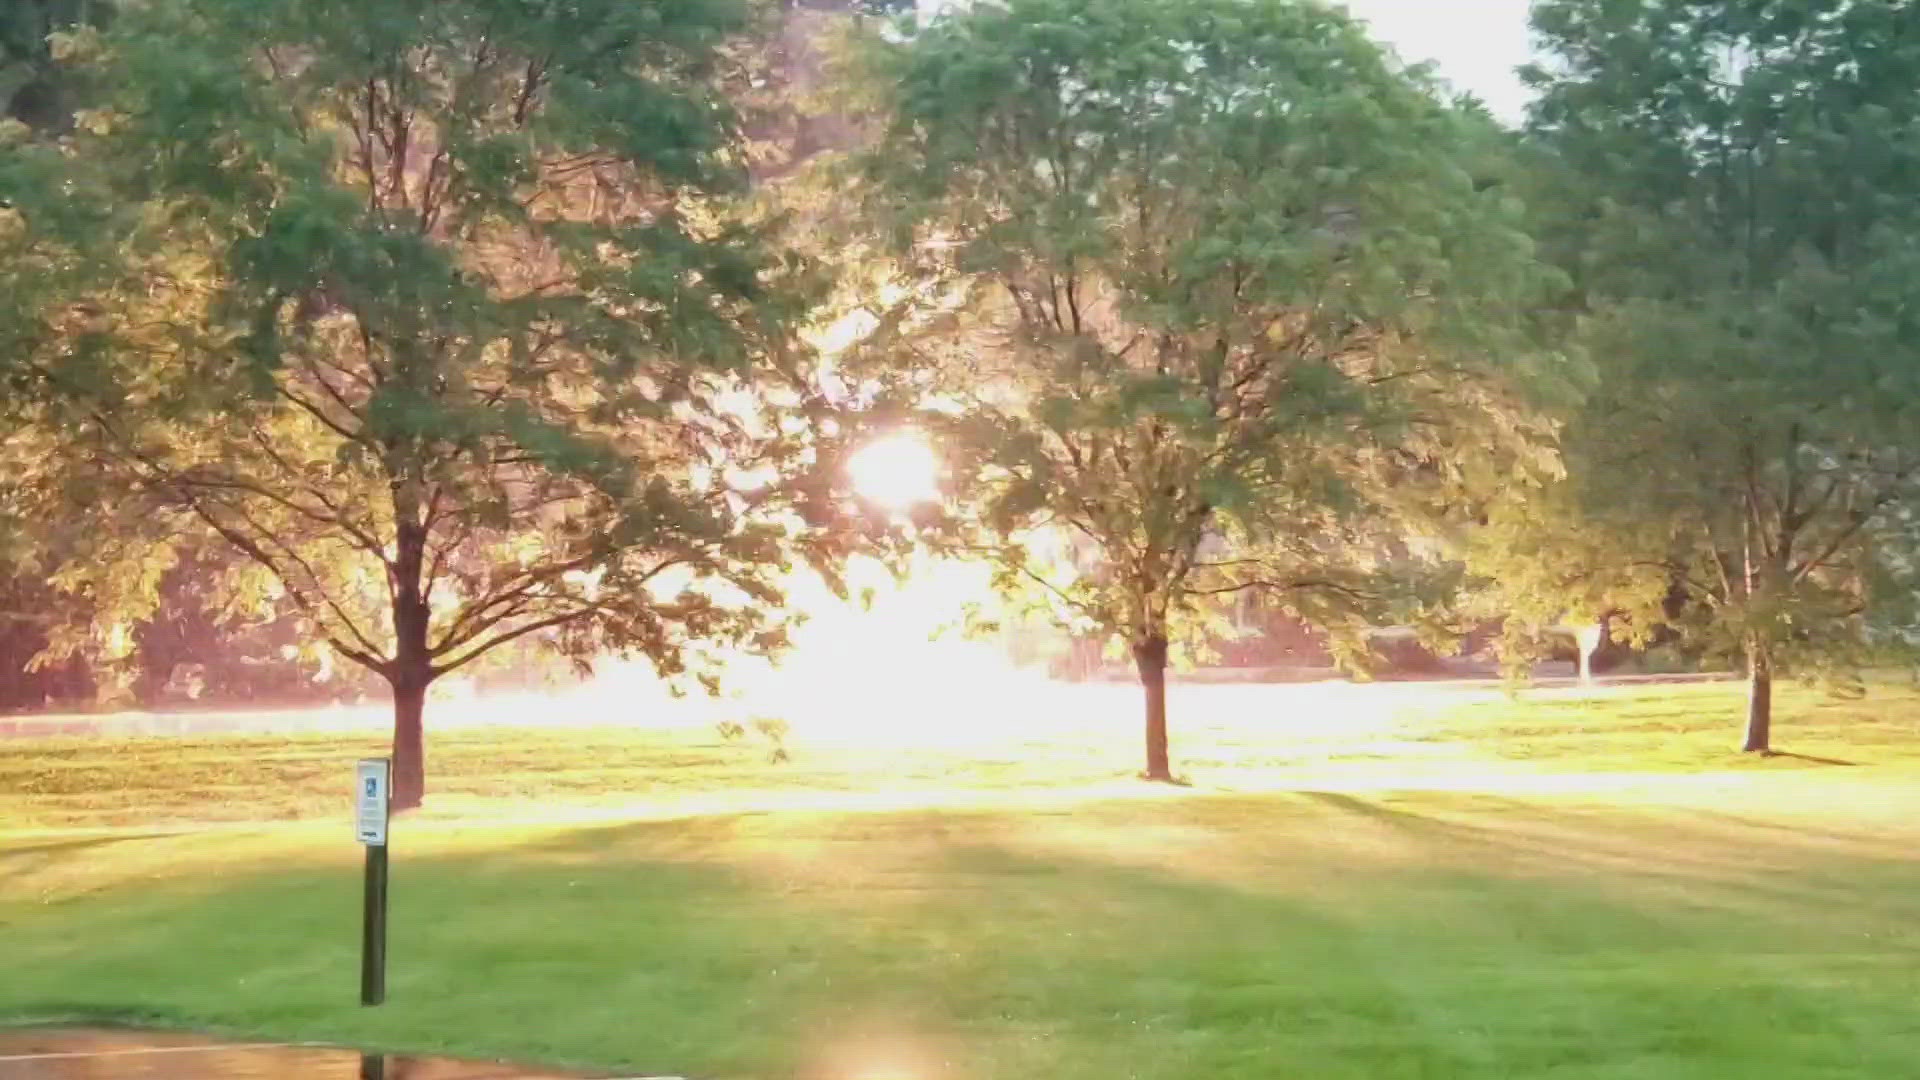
[(186, 652), (429, 332)]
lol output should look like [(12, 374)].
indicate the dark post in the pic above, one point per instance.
[(373, 938), (372, 799)]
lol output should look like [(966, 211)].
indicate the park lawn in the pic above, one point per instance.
[(1753, 920), (1386, 936), (1222, 736)]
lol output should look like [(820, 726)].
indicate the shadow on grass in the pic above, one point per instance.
[(70, 846), (19, 861), (1234, 938), (1808, 758)]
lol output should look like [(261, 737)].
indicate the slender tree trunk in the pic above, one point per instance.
[(1150, 658), (1759, 699), (409, 742), (412, 670), (1589, 638)]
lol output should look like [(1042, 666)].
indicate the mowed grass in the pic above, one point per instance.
[(1222, 736), (1697, 915)]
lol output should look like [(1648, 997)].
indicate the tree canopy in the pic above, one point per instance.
[(1735, 213), (1213, 289), (444, 317), (417, 333)]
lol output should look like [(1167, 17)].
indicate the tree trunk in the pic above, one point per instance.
[(1150, 658), (409, 743), (1588, 639), (1759, 700), (412, 669)]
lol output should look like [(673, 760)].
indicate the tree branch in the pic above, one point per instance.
[(515, 634), (481, 615), (1304, 585)]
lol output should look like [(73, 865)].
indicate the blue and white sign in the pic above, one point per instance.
[(370, 799)]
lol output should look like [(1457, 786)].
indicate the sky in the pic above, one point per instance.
[(1475, 43)]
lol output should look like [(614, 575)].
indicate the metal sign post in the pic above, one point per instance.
[(371, 793)]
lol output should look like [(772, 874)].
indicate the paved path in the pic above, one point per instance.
[(72, 1053)]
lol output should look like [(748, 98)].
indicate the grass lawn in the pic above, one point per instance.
[(1567, 887)]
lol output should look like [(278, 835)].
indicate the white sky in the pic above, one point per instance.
[(1475, 43)]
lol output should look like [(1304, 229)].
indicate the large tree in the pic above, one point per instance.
[(1734, 206), (442, 316), (1210, 288)]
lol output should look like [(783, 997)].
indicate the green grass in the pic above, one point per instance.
[(1674, 912), (1223, 737)]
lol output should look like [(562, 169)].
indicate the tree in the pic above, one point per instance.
[(1209, 288), (47, 226), (43, 224), (785, 82), (34, 90), (440, 314), (1737, 220)]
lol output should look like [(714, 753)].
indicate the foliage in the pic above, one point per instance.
[(440, 314), (1210, 290), (34, 90), (784, 78), (772, 730), (1736, 214), (48, 225)]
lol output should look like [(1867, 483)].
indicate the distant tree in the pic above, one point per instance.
[(39, 253), (34, 89), (783, 82), (44, 234), (205, 642), (29, 679), (440, 314), (1733, 201), (1211, 288)]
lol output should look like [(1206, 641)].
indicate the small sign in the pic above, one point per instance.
[(370, 800)]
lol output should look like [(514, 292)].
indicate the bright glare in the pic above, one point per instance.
[(897, 472)]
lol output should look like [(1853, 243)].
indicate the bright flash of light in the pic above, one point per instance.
[(888, 1053), (897, 472)]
